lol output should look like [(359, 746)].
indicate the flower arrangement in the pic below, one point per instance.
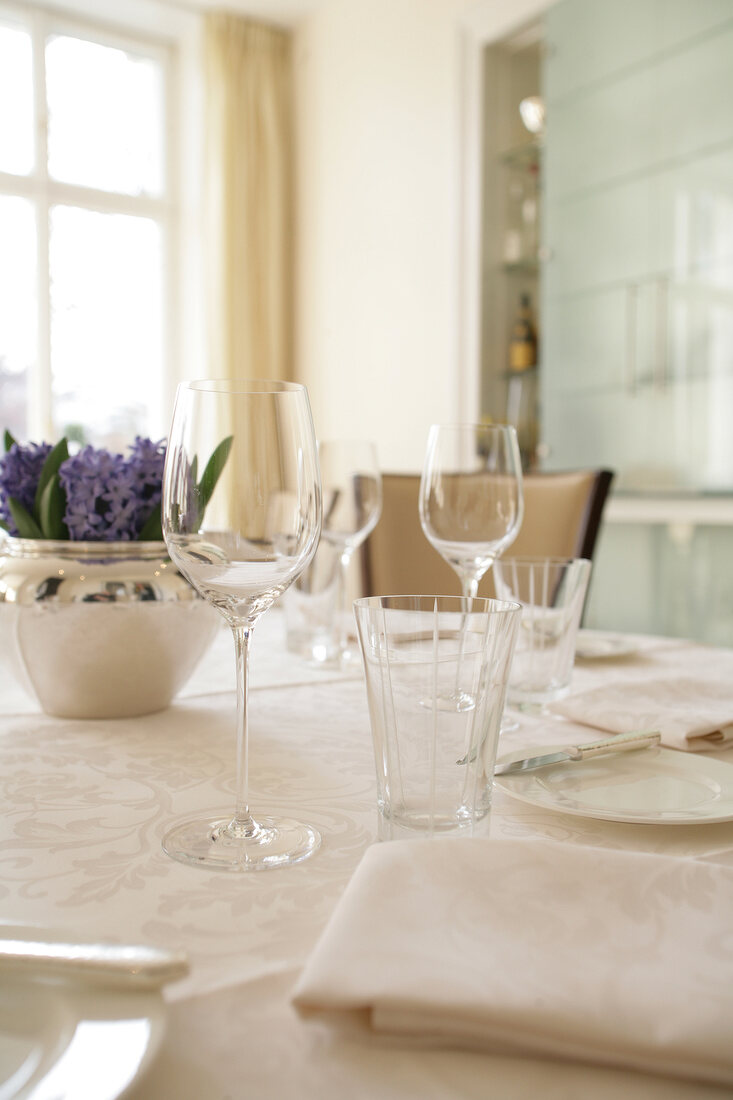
[(95, 496)]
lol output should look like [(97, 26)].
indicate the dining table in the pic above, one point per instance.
[(85, 805)]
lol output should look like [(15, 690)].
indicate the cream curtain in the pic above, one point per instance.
[(249, 195)]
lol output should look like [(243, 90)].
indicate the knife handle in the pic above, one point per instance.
[(620, 742)]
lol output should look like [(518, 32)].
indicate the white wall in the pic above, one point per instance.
[(387, 252)]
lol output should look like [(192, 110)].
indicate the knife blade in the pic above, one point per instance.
[(624, 742), (137, 965)]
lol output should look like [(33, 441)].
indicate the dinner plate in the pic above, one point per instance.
[(653, 786), (594, 646), (61, 1039)]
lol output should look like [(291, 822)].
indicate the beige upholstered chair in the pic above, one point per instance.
[(562, 514)]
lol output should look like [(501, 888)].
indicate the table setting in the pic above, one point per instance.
[(302, 877)]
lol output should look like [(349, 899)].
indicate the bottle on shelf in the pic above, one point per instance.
[(522, 385), (523, 342)]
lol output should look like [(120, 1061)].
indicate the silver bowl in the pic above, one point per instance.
[(99, 630)]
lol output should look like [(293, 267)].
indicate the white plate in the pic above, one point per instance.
[(652, 786), (63, 1040), (591, 646)]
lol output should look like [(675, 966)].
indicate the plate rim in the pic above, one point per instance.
[(77, 1002), (624, 647), (504, 783)]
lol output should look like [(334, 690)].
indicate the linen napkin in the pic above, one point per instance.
[(534, 947), (691, 713)]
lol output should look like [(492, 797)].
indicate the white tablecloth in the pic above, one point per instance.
[(84, 808)]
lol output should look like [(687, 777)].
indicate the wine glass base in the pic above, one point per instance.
[(208, 843)]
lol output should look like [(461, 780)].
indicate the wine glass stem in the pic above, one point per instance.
[(242, 823), (343, 602), (469, 586)]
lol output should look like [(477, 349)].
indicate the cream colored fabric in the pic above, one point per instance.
[(524, 947), (691, 713), (249, 187), (85, 805)]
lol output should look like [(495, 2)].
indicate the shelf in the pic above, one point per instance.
[(525, 157), (701, 510), (508, 373), (521, 267)]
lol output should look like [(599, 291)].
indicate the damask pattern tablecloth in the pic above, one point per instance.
[(85, 806)]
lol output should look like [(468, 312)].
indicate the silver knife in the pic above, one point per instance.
[(136, 965), (623, 742)]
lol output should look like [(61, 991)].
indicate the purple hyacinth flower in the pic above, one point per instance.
[(87, 479), (145, 464), (109, 497), (20, 469)]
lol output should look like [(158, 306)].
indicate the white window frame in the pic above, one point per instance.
[(173, 39)]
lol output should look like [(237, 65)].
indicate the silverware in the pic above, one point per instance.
[(135, 965), (624, 742)]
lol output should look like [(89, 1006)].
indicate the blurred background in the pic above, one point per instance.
[(426, 210)]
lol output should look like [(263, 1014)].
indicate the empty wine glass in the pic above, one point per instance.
[(471, 502), (241, 518), (352, 504)]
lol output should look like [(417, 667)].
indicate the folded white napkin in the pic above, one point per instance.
[(525, 947), (692, 714)]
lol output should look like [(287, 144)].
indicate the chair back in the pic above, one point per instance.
[(562, 516)]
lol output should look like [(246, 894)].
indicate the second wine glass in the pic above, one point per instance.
[(352, 505), (471, 497), (471, 505)]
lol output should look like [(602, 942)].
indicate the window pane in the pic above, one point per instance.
[(16, 88), (106, 326), (105, 117), (18, 323)]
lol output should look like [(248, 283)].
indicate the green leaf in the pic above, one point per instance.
[(52, 509), (23, 520), (9, 440), (50, 467), (213, 470), (152, 529), (194, 468)]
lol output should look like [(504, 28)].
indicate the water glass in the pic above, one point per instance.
[(312, 609), (552, 593), (434, 766)]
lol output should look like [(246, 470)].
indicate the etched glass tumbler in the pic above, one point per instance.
[(552, 593), (434, 766)]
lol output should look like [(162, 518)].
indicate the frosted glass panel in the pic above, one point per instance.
[(16, 101), (593, 39), (670, 579), (600, 238), (105, 125), (18, 324), (637, 292), (106, 312)]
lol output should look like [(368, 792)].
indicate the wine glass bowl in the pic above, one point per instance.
[(241, 519), (471, 499)]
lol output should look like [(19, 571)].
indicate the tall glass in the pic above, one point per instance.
[(242, 519)]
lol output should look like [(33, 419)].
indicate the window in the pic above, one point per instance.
[(86, 232)]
